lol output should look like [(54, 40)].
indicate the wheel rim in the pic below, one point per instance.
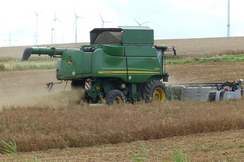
[(117, 100), (158, 95)]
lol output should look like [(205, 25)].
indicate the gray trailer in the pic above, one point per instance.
[(215, 91)]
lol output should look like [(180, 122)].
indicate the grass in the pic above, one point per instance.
[(11, 65), (197, 59), (140, 158), (2, 67), (179, 156), (188, 51), (9, 148), (34, 63), (28, 65)]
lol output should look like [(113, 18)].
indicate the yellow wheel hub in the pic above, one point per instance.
[(117, 100), (158, 95)]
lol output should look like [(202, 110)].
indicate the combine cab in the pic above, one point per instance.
[(120, 64)]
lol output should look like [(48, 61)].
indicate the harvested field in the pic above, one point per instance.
[(15, 85), (205, 46), (63, 130), (212, 147), (16, 52), (184, 47), (18, 90)]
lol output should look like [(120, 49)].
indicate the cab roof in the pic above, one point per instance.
[(122, 35)]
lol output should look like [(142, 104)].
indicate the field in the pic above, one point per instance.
[(185, 47), (53, 127)]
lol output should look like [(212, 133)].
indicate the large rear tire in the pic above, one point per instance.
[(115, 97), (155, 91)]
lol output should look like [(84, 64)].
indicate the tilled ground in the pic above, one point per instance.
[(28, 88)]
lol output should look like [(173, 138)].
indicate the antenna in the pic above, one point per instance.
[(36, 32), (54, 27), (228, 20), (76, 17), (140, 24), (103, 22)]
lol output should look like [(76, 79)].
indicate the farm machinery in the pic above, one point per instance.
[(123, 64)]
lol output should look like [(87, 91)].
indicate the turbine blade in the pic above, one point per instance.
[(75, 13), (137, 22), (39, 12), (144, 23), (101, 17), (80, 17)]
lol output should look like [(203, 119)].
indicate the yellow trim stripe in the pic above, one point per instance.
[(143, 72), (129, 72), (111, 72)]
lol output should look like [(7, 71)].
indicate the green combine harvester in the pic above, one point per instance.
[(123, 64)]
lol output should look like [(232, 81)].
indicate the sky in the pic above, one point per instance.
[(170, 19)]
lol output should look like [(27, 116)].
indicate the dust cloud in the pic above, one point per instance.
[(28, 88)]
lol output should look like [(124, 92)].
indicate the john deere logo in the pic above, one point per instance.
[(69, 62)]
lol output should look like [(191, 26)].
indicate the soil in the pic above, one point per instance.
[(28, 88)]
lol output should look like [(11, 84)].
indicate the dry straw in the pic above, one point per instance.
[(46, 127)]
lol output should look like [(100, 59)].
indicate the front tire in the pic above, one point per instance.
[(115, 97), (155, 91)]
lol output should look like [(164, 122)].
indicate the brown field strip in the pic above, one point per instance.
[(43, 127), (206, 46), (184, 47)]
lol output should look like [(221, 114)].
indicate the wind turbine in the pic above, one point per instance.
[(9, 40), (140, 24), (76, 17), (228, 20), (36, 32), (54, 27), (52, 35), (103, 22)]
